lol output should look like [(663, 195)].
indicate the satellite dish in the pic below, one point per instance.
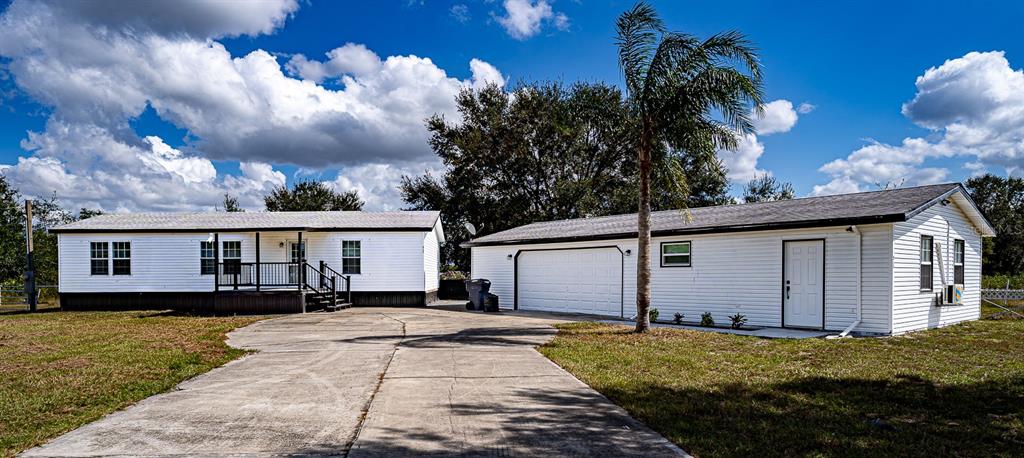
[(471, 228)]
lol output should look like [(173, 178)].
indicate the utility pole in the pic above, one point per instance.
[(30, 267)]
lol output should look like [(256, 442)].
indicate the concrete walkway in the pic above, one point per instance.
[(376, 382)]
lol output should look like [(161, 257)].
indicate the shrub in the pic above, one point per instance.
[(999, 281), (677, 318), (653, 314), (706, 319), (738, 321)]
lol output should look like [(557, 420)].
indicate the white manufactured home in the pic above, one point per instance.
[(883, 262), (264, 262)]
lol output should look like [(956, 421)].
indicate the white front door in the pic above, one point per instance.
[(803, 284), (295, 255), (571, 280)]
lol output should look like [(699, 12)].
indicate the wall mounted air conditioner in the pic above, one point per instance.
[(953, 295)]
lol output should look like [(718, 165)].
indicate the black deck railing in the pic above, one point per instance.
[(236, 275)]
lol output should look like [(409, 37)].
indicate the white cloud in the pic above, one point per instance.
[(97, 74), (525, 18), (779, 116), (377, 184), (87, 167), (197, 18), (975, 106), (741, 163)]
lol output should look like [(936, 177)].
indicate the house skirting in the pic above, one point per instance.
[(232, 302)]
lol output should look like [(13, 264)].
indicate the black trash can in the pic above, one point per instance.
[(477, 288), (490, 302)]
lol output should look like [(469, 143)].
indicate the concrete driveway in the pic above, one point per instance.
[(376, 382)]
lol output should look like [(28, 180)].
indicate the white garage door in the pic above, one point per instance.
[(577, 281)]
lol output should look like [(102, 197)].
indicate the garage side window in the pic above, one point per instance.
[(351, 257), (675, 254), (98, 255), (926, 262)]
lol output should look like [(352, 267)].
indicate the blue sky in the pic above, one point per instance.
[(856, 62)]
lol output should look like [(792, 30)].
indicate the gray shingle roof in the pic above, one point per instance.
[(859, 208), (248, 221)]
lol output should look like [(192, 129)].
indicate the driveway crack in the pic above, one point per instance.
[(380, 381)]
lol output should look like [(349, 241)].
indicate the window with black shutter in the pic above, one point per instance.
[(926, 262)]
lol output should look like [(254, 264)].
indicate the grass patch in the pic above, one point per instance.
[(956, 391), (64, 369)]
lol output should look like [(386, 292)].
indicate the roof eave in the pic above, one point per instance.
[(58, 230), (830, 222)]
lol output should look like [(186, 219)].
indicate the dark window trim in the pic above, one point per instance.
[(106, 259), (661, 254), (360, 258), (959, 268), (114, 258), (212, 258), (931, 263)]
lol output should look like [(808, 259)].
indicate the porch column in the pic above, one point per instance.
[(216, 261), (257, 261), (302, 261)]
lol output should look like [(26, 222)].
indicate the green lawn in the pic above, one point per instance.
[(957, 391), (59, 370)]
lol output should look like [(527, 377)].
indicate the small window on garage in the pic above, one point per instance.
[(675, 254)]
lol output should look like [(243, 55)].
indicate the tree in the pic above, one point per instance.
[(676, 85), (86, 213), (12, 232), (231, 204), (540, 152), (1001, 200), (766, 188), (311, 196)]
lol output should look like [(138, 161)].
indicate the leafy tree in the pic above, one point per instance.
[(231, 204), (85, 213), (543, 151), (1001, 200), (12, 232), (311, 196), (766, 188), (690, 94)]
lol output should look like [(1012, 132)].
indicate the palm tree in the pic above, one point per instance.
[(684, 94)]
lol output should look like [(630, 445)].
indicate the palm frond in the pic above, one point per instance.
[(637, 36)]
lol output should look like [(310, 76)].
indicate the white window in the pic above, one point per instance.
[(675, 254), (926, 262), (122, 258), (351, 257), (207, 258), (99, 255), (958, 262)]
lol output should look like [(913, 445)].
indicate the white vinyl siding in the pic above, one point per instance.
[(432, 259), (170, 262), (736, 273), (914, 309)]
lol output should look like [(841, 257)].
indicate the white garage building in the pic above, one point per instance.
[(883, 262)]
